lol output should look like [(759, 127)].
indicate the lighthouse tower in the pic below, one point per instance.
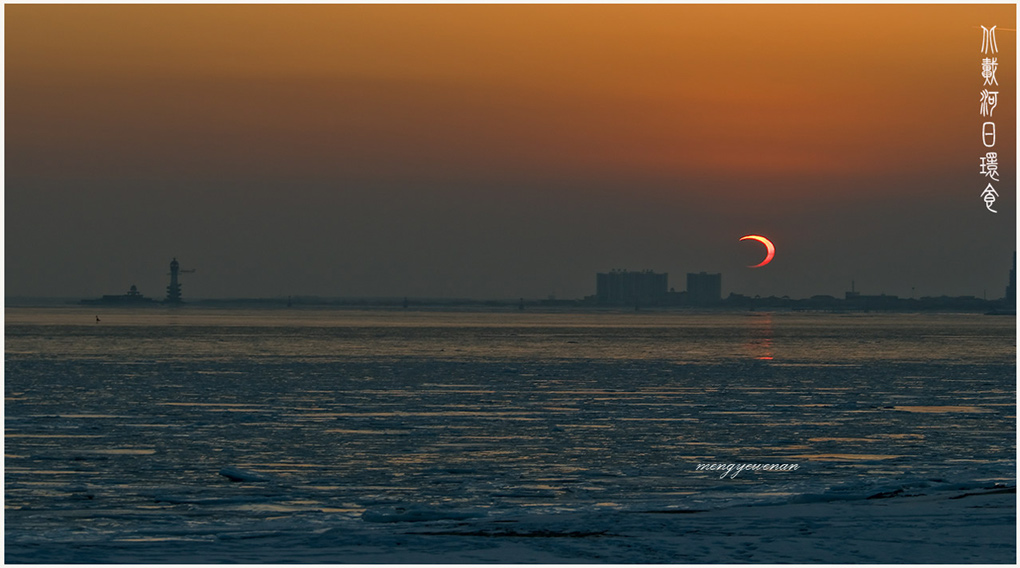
[(173, 291)]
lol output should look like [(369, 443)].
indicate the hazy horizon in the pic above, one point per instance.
[(489, 152)]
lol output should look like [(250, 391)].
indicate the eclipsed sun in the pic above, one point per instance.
[(770, 249)]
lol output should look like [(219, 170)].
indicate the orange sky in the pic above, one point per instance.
[(654, 91), (483, 151)]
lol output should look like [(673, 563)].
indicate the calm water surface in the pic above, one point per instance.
[(116, 431)]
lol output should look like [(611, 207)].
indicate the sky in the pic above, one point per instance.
[(503, 151)]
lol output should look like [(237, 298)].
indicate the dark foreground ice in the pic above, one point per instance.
[(511, 443), (947, 526)]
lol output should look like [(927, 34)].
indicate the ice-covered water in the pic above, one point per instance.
[(253, 426)]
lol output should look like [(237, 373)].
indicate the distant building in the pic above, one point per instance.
[(856, 301), (853, 293), (703, 288), (621, 287), (873, 302), (173, 291), (132, 298)]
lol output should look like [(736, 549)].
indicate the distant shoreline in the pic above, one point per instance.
[(882, 304)]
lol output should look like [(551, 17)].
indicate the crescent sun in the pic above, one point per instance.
[(770, 249)]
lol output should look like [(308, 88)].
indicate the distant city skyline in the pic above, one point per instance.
[(616, 287), (503, 151)]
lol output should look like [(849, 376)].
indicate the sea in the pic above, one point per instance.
[(145, 435)]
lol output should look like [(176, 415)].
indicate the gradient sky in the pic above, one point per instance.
[(503, 151)]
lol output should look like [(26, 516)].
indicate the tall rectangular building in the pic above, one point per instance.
[(703, 288), (621, 287)]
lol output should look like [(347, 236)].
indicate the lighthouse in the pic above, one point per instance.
[(173, 291)]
